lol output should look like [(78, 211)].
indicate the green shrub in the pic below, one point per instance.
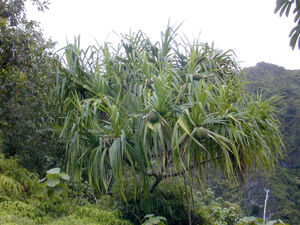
[(215, 210), (55, 183), (17, 184), (9, 188), (90, 215), (15, 181), (169, 201), (258, 221), (15, 220), (49, 212), (19, 213), (105, 217), (151, 219), (164, 201), (72, 220)]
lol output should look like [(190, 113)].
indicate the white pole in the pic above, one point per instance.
[(265, 208)]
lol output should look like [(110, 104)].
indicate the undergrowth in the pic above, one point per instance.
[(22, 203), (169, 201)]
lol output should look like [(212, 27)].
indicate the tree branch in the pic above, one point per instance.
[(160, 176)]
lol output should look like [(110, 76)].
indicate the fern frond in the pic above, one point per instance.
[(9, 186)]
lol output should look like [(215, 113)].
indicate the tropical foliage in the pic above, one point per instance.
[(170, 203), (55, 182), (160, 110), (274, 80), (22, 202), (29, 204), (257, 221), (131, 115), (25, 78), (284, 182), (285, 6)]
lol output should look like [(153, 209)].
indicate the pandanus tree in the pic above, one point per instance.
[(158, 111)]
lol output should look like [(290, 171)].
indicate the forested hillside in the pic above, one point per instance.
[(284, 182), (274, 80)]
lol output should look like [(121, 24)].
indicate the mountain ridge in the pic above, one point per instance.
[(284, 184)]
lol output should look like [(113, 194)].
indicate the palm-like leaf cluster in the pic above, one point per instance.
[(285, 6), (159, 110)]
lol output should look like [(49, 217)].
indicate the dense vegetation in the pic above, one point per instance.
[(285, 180), (274, 80), (159, 112), (25, 78), (141, 122), (284, 183), (22, 202)]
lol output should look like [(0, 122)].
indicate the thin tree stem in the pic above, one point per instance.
[(187, 200), (266, 200)]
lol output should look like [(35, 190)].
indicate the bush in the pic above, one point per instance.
[(169, 201), (164, 201), (17, 184), (18, 212), (215, 210)]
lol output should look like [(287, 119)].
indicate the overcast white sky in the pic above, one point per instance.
[(249, 27)]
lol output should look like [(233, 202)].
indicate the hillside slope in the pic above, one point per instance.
[(284, 183), (274, 80)]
